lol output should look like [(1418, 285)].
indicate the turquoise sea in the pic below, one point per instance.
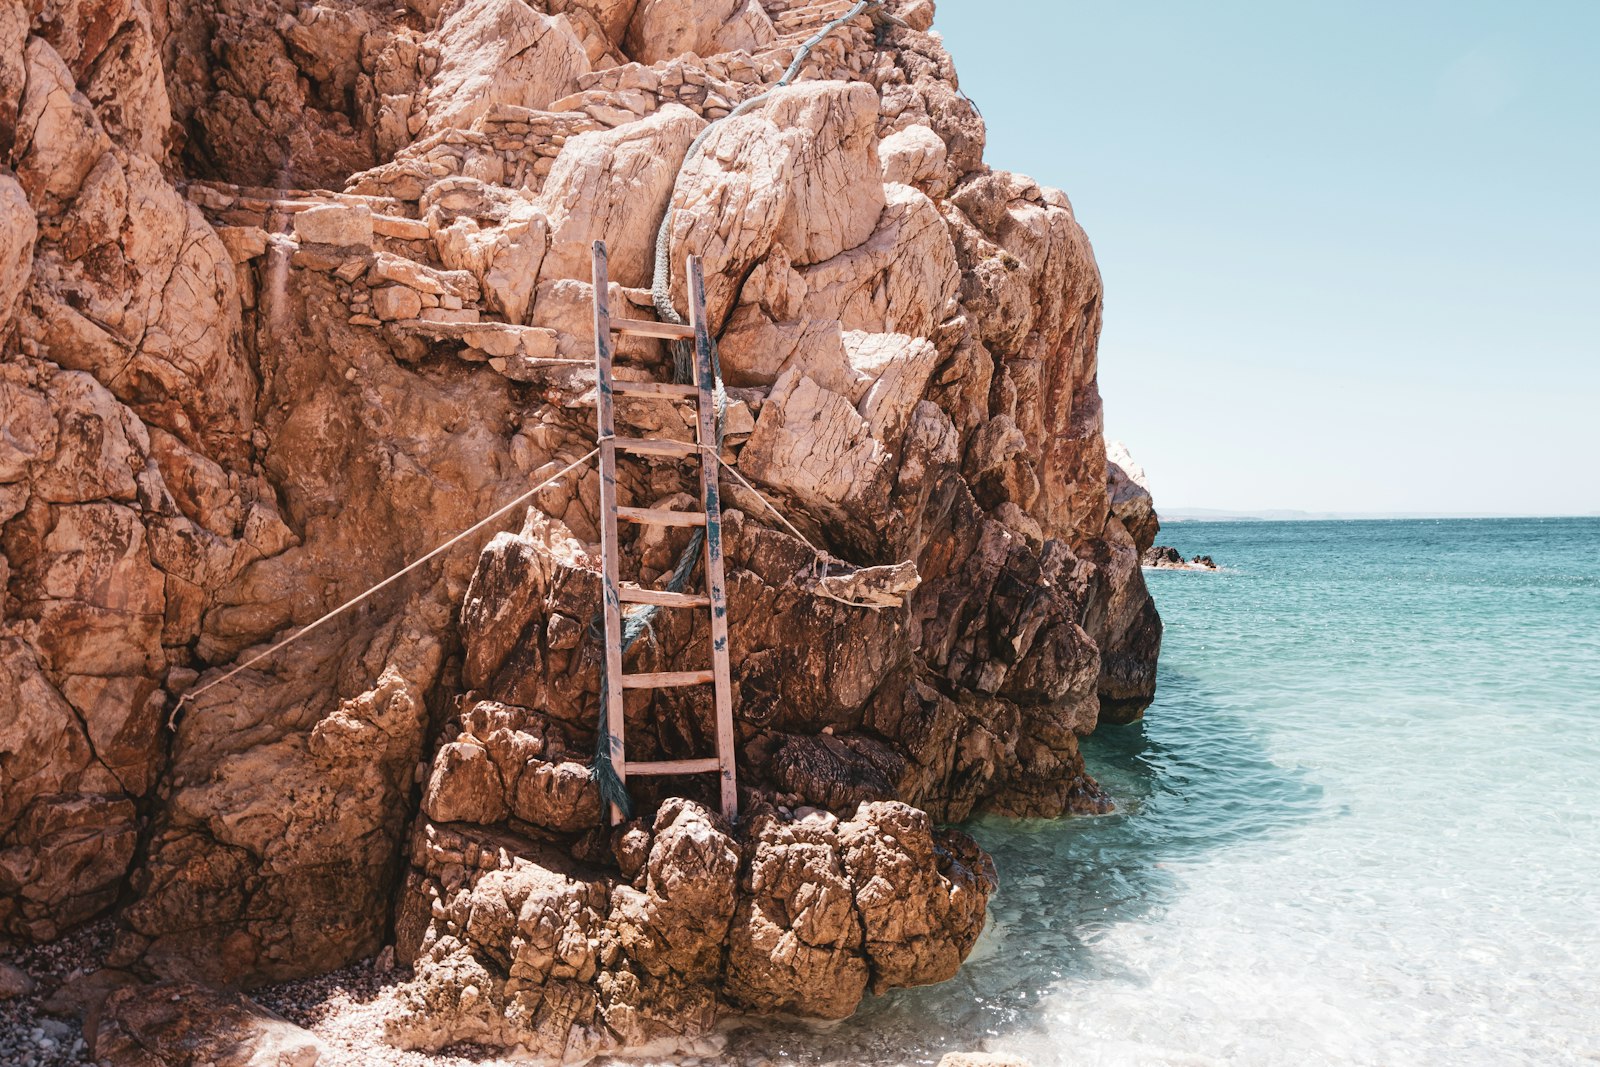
[(1360, 825)]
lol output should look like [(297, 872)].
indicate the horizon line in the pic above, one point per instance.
[(1189, 514)]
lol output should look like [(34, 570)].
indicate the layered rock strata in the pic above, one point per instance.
[(286, 289)]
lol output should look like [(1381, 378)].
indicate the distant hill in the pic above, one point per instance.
[(1291, 515)]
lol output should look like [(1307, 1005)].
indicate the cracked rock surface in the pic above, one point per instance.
[(284, 290)]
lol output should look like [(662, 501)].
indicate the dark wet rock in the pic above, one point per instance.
[(1167, 557), (1161, 556)]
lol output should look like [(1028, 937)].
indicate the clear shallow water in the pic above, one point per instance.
[(1360, 825)]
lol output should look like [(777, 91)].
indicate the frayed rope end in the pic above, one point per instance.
[(604, 775)]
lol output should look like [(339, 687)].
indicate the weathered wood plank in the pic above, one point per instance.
[(633, 594), (667, 679), (715, 583), (674, 766), (661, 516), (606, 426), (670, 331), (653, 389), (657, 446)]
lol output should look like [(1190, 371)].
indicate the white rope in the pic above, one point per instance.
[(396, 576), (826, 557)]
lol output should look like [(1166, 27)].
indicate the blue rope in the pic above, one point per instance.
[(634, 626)]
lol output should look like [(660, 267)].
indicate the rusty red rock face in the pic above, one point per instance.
[(231, 404)]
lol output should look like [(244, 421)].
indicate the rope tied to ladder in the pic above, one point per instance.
[(636, 623)]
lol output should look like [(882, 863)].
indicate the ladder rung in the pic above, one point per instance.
[(662, 516), (657, 446), (675, 766), (666, 389), (666, 679), (633, 594), (644, 328)]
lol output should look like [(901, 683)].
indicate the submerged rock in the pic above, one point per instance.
[(280, 293)]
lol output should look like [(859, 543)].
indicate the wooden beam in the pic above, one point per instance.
[(661, 516), (674, 766), (657, 446), (633, 594), (669, 331), (671, 390), (715, 583), (666, 679), (606, 425)]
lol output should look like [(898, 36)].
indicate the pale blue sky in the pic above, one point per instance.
[(1351, 250)]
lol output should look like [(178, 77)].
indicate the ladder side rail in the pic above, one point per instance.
[(710, 496), (606, 427)]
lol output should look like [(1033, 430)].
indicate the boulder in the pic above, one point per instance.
[(335, 224), (661, 29), (613, 186), (283, 888), (1161, 556), (835, 201), (1131, 503), (1165, 557), (495, 52)]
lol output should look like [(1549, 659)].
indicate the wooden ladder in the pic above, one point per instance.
[(616, 593)]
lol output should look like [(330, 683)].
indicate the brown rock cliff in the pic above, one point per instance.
[(276, 281)]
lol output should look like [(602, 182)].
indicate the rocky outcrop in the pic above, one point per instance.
[(519, 945), (285, 300), (1124, 620), (1131, 502), (282, 888), (1165, 557)]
